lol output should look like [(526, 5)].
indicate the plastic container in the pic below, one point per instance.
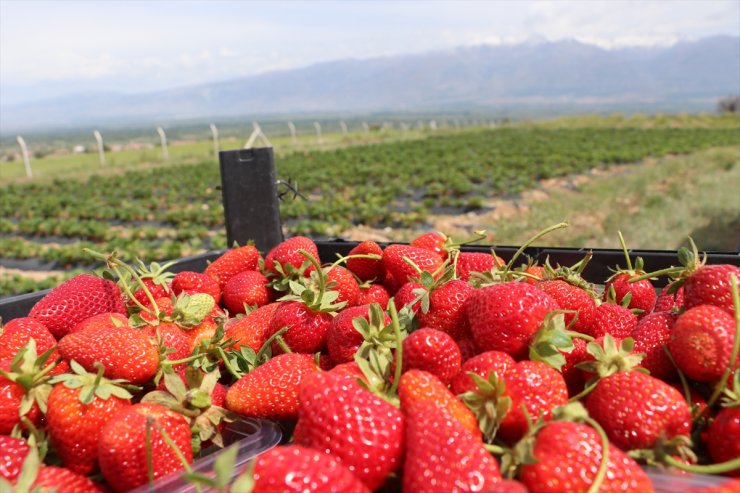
[(665, 482), (252, 436)]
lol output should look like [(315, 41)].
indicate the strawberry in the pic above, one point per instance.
[(410, 294), (101, 320), (233, 262), (134, 438), (710, 285), (343, 338), (504, 317), (156, 289), (374, 293), (361, 430), (62, 480), (344, 282), (537, 273), (636, 409), (613, 319), (432, 241), (433, 351), (126, 353), (280, 469), (306, 328), (568, 456), (572, 375), (172, 339), (468, 349), (724, 436), (651, 336), (470, 262), (288, 258), (396, 258), (572, 298), (701, 342), (271, 390), (16, 334), (251, 330), (482, 364), (642, 293), (13, 452), (446, 309), (442, 455), (417, 385), (247, 288), (75, 300), (78, 407), (669, 300), (195, 282), (366, 269)]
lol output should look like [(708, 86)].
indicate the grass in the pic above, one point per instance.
[(656, 205)]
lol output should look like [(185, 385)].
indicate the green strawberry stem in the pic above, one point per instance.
[(720, 387), (604, 454), (626, 252), (399, 346), (496, 449), (283, 345), (266, 346), (532, 240), (721, 468), (319, 273), (227, 364), (587, 390), (343, 260)]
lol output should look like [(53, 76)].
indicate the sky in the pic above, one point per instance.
[(53, 48)]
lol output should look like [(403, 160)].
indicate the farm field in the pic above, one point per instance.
[(392, 188)]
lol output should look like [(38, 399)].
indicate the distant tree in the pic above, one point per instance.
[(730, 104)]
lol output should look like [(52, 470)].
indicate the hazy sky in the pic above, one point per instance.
[(49, 48)]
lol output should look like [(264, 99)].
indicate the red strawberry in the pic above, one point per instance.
[(343, 339), (271, 390), (280, 469), (442, 455), (409, 295), (366, 269), (125, 352), (75, 300), (432, 241), (504, 317), (417, 385), (78, 407), (572, 298), (287, 255), (122, 447), (482, 364), (635, 409), (669, 301), (468, 349), (358, 428), (469, 262), (651, 335), (446, 309), (374, 293), (394, 263), (13, 452), (613, 319), (195, 282), (251, 330), (710, 285), (155, 289), (701, 342), (572, 375), (23, 385), (63, 480), (534, 386), (433, 351), (724, 437), (233, 262), (172, 337), (568, 457), (16, 334), (345, 284), (247, 288), (101, 320), (537, 271), (642, 292), (306, 328)]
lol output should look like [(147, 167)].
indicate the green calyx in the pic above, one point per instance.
[(611, 358), (315, 292), (488, 403), (94, 385), (31, 371), (553, 339), (573, 275)]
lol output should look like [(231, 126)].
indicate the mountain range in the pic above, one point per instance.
[(685, 76)]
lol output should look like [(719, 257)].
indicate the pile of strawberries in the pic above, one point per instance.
[(415, 368)]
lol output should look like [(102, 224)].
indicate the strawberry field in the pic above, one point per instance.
[(170, 212)]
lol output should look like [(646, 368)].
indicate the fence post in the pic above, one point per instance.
[(163, 140), (344, 127), (251, 205), (293, 138), (26, 157), (216, 147), (317, 126), (101, 148)]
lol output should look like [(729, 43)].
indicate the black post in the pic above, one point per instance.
[(251, 205)]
